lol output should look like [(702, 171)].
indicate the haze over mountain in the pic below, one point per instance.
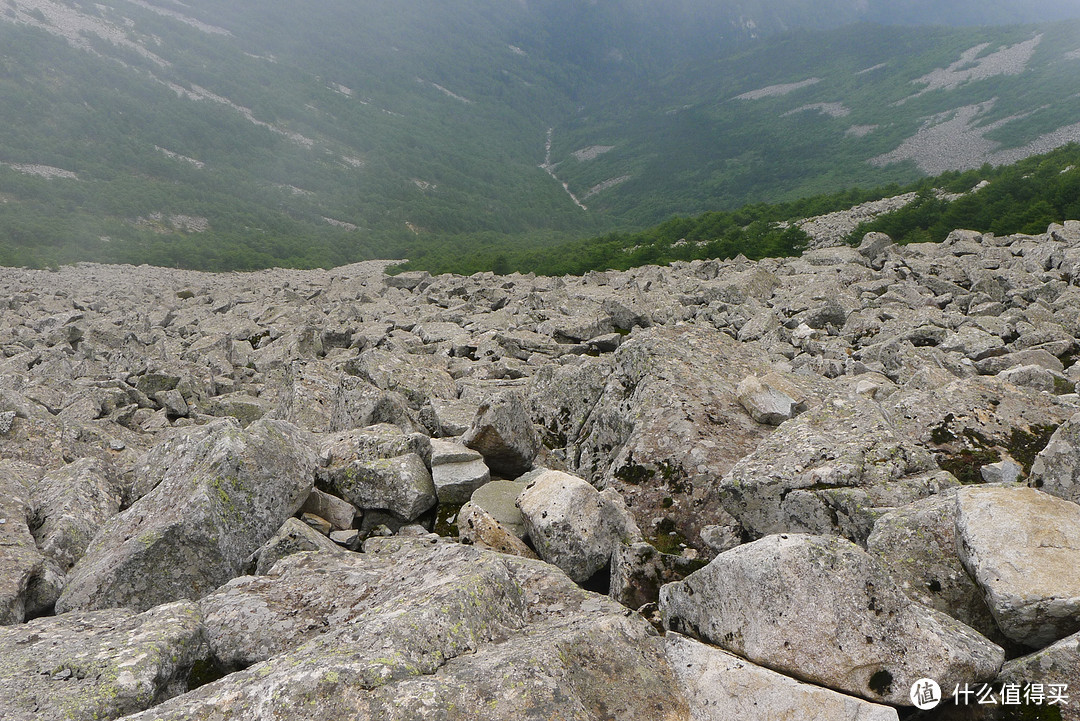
[(240, 134)]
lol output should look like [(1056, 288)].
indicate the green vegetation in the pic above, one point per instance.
[(417, 131)]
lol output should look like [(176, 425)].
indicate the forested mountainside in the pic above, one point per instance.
[(243, 135)]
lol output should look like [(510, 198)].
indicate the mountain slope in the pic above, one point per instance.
[(243, 134)]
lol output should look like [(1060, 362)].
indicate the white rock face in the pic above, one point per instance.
[(1022, 546), (574, 526), (720, 686), (821, 609)]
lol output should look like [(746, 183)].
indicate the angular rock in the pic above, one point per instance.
[(456, 481), (415, 630), (1056, 665), (503, 433), (478, 527), (95, 665), (764, 403), (339, 512), (71, 504), (833, 469), (30, 582), (821, 609), (401, 485), (224, 492), (916, 544), (1056, 469), (574, 526), (1021, 546), (294, 536), (722, 687)]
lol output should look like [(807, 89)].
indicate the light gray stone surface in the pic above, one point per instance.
[(97, 665), (224, 492), (1021, 546), (821, 609)]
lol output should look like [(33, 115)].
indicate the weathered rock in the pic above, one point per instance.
[(764, 403), (916, 544), (659, 422), (96, 665), (71, 504), (1021, 545), (821, 609), (478, 527), (30, 583), (833, 469), (401, 485), (1056, 469), (503, 433), (722, 687), (499, 499), (294, 536), (1057, 668), (415, 630), (457, 471), (224, 492), (339, 512), (574, 526)]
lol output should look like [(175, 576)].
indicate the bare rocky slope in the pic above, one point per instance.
[(790, 488)]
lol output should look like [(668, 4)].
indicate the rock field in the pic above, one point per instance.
[(785, 489)]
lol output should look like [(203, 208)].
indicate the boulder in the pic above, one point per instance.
[(504, 435), (1056, 469), (224, 492), (574, 526), (499, 499), (294, 536), (71, 504), (339, 512), (916, 545), (457, 471), (764, 403), (413, 629), (401, 485), (821, 609), (95, 665), (478, 527), (30, 582), (833, 469), (1021, 546), (720, 686)]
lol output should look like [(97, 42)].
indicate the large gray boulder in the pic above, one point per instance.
[(574, 526), (916, 544), (30, 582), (720, 686), (503, 433), (1056, 469), (98, 665), (834, 469), (71, 504), (821, 609), (1021, 546), (224, 492), (419, 629)]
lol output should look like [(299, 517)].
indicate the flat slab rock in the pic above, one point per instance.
[(821, 609), (95, 665), (1022, 547), (720, 686), (423, 629)]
